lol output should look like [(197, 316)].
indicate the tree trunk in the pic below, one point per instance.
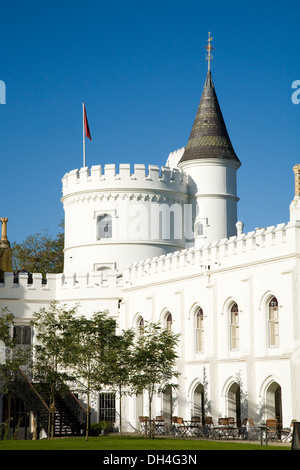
[(120, 409), (87, 417)]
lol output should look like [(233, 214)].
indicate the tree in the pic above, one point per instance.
[(40, 253), (89, 353), (12, 355), (154, 359), (121, 366), (51, 348)]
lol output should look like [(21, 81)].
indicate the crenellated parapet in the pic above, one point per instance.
[(263, 245), (260, 245), (33, 287), (112, 178)]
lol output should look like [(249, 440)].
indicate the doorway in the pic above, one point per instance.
[(234, 403)]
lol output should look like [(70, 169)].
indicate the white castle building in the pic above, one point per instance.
[(164, 244)]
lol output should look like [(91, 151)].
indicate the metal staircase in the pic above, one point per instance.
[(70, 414), (23, 388)]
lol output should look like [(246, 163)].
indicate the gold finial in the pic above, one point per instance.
[(209, 48)]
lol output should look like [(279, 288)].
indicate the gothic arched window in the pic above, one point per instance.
[(169, 321), (273, 322), (199, 323), (234, 327), (140, 326)]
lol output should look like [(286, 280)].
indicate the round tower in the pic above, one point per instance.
[(211, 163), (114, 217)]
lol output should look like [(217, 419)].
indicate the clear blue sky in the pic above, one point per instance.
[(139, 65)]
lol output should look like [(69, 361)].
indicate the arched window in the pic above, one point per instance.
[(104, 226), (199, 320), (273, 323), (199, 404), (234, 327), (169, 321), (140, 326)]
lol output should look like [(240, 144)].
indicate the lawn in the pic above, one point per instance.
[(132, 443)]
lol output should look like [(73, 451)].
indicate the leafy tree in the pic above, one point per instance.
[(12, 356), (51, 348), (89, 353), (155, 358), (39, 253), (121, 366)]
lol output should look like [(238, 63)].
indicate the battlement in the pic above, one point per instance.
[(174, 158), (262, 244), (33, 287), (122, 178), (259, 246)]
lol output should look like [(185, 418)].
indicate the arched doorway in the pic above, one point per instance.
[(198, 403), (168, 404), (274, 403), (234, 403)]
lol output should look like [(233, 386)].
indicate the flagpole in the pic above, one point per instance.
[(83, 135)]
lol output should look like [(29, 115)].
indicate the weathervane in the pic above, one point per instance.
[(209, 48)]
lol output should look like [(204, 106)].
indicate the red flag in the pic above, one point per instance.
[(86, 125)]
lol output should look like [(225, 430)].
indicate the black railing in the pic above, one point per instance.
[(70, 414), (22, 387), (69, 405)]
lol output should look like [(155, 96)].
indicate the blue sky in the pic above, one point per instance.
[(140, 68)]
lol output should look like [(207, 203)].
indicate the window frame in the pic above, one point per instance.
[(234, 327), (22, 334), (199, 330), (169, 321), (104, 215), (273, 323)]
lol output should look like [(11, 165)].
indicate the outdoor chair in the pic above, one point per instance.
[(226, 428), (272, 429), (248, 430), (208, 429), (244, 429), (287, 433), (160, 424), (180, 428), (144, 423), (233, 429), (254, 432), (195, 426), (222, 429)]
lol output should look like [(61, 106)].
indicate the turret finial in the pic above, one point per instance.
[(209, 48)]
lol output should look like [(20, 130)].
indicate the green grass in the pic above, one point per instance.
[(132, 443)]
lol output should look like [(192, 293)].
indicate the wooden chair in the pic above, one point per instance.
[(144, 423), (249, 430), (227, 428), (233, 429), (195, 426), (180, 427), (272, 429), (160, 424), (208, 429)]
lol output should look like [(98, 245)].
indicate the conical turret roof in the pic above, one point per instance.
[(209, 137)]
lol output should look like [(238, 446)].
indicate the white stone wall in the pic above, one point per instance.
[(249, 272), (213, 191), (132, 200)]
